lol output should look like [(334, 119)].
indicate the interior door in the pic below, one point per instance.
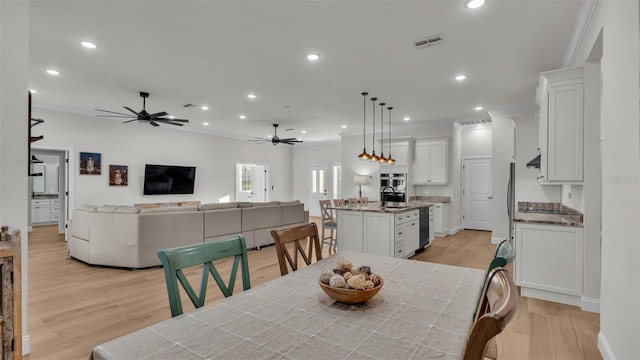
[(476, 193), (259, 183), (317, 188)]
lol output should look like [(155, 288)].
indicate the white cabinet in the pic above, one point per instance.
[(400, 152), (431, 163), (548, 263), (441, 218), (40, 211), (381, 233), (561, 126), (55, 209)]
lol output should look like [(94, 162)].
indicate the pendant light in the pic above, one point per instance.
[(382, 159), (364, 155), (390, 160), (374, 157)]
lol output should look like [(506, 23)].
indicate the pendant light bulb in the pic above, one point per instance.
[(390, 160), (382, 159), (373, 156), (364, 155)]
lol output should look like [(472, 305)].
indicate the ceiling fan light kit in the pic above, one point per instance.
[(154, 119)]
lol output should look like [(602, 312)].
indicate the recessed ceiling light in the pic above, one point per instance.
[(53, 72), (304, 131), (204, 107), (478, 108), (242, 117), (344, 126), (205, 123), (33, 91), (479, 125), (460, 77), (406, 118), (474, 4), (88, 45), (251, 96), (313, 57), (268, 136)]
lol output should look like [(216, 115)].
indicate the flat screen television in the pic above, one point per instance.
[(166, 179)]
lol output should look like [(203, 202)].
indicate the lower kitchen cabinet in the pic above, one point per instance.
[(548, 263), (40, 211), (381, 233), (441, 218)]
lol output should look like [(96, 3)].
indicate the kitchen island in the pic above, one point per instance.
[(389, 231)]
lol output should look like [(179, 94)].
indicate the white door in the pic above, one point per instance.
[(476, 194), (317, 188), (252, 182)]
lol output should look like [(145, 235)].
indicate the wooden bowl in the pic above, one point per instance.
[(350, 296)]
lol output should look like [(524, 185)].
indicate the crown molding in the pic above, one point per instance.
[(582, 22)]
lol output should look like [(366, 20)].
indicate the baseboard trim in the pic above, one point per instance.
[(550, 296), (26, 344), (455, 230), (590, 305), (496, 240), (605, 349)]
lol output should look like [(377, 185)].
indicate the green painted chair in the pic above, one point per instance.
[(176, 259), (505, 253)]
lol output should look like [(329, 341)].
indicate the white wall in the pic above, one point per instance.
[(305, 155), (137, 144), (527, 186), (620, 291), (476, 141), (14, 72), (503, 153)]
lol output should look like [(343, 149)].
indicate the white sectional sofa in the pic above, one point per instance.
[(129, 236)]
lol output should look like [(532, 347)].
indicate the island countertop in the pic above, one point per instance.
[(377, 207)]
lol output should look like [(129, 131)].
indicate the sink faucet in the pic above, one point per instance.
[(382, 193)]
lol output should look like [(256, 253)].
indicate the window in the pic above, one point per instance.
[(337, 181), (245, 179)]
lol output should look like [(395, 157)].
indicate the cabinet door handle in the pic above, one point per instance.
[(399, 233), (413, 224), (490, 197)]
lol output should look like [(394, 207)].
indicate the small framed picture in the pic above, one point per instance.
[(118, 175), (90, 163)]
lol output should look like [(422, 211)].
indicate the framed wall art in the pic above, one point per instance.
[(118, 175), (90, 163)]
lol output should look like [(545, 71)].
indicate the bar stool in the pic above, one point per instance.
[(328, 223)]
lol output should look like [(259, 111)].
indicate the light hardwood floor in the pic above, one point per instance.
[(74, 306)]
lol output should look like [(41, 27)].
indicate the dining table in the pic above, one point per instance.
[(424, 310)]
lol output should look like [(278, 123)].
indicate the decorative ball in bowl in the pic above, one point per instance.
[(348, 284)]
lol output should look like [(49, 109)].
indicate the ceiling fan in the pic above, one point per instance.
[(275, 140), (154, 119)]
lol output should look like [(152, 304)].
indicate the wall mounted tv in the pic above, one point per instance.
[(166, 179)]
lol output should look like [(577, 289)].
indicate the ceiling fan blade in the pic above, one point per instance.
[(113, 112), (172, 123), (174, 120), (115, 116), (162, 113), (153, 123), (128, 108), (129, 121), (290, 139)]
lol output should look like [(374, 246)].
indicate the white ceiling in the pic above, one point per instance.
[(215, 53)]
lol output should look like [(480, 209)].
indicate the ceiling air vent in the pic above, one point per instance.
[(474, 122), (429, 41), (189, 106)]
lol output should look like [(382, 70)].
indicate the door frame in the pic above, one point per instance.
[(462, 183), (69, 183), (328, 179)]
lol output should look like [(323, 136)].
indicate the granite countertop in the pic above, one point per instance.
[(548, 213), (431, 199), (376, 207)]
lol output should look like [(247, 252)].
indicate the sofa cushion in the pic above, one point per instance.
[(127, 210), (167, 209), (216, 206), (290, 202), (244, 204), (87, 207), (292, 213), (222, 222), (267, 217)]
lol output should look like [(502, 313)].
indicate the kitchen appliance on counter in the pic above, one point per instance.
[(393, 188)]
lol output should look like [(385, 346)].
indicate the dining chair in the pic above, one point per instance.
[(339, 202), (498, 305), (176, 259), (298, 235), (505, 253), (352, 200), (328, 223)]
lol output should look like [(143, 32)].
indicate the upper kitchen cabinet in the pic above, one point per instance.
[(431, 165), (561, 126), (401, 151)]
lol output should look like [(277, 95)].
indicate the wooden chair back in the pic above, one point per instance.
[(363, 200), (326, 212), (297, 235), (352, 200), (175, 259), (339, 202), (497, 307)]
